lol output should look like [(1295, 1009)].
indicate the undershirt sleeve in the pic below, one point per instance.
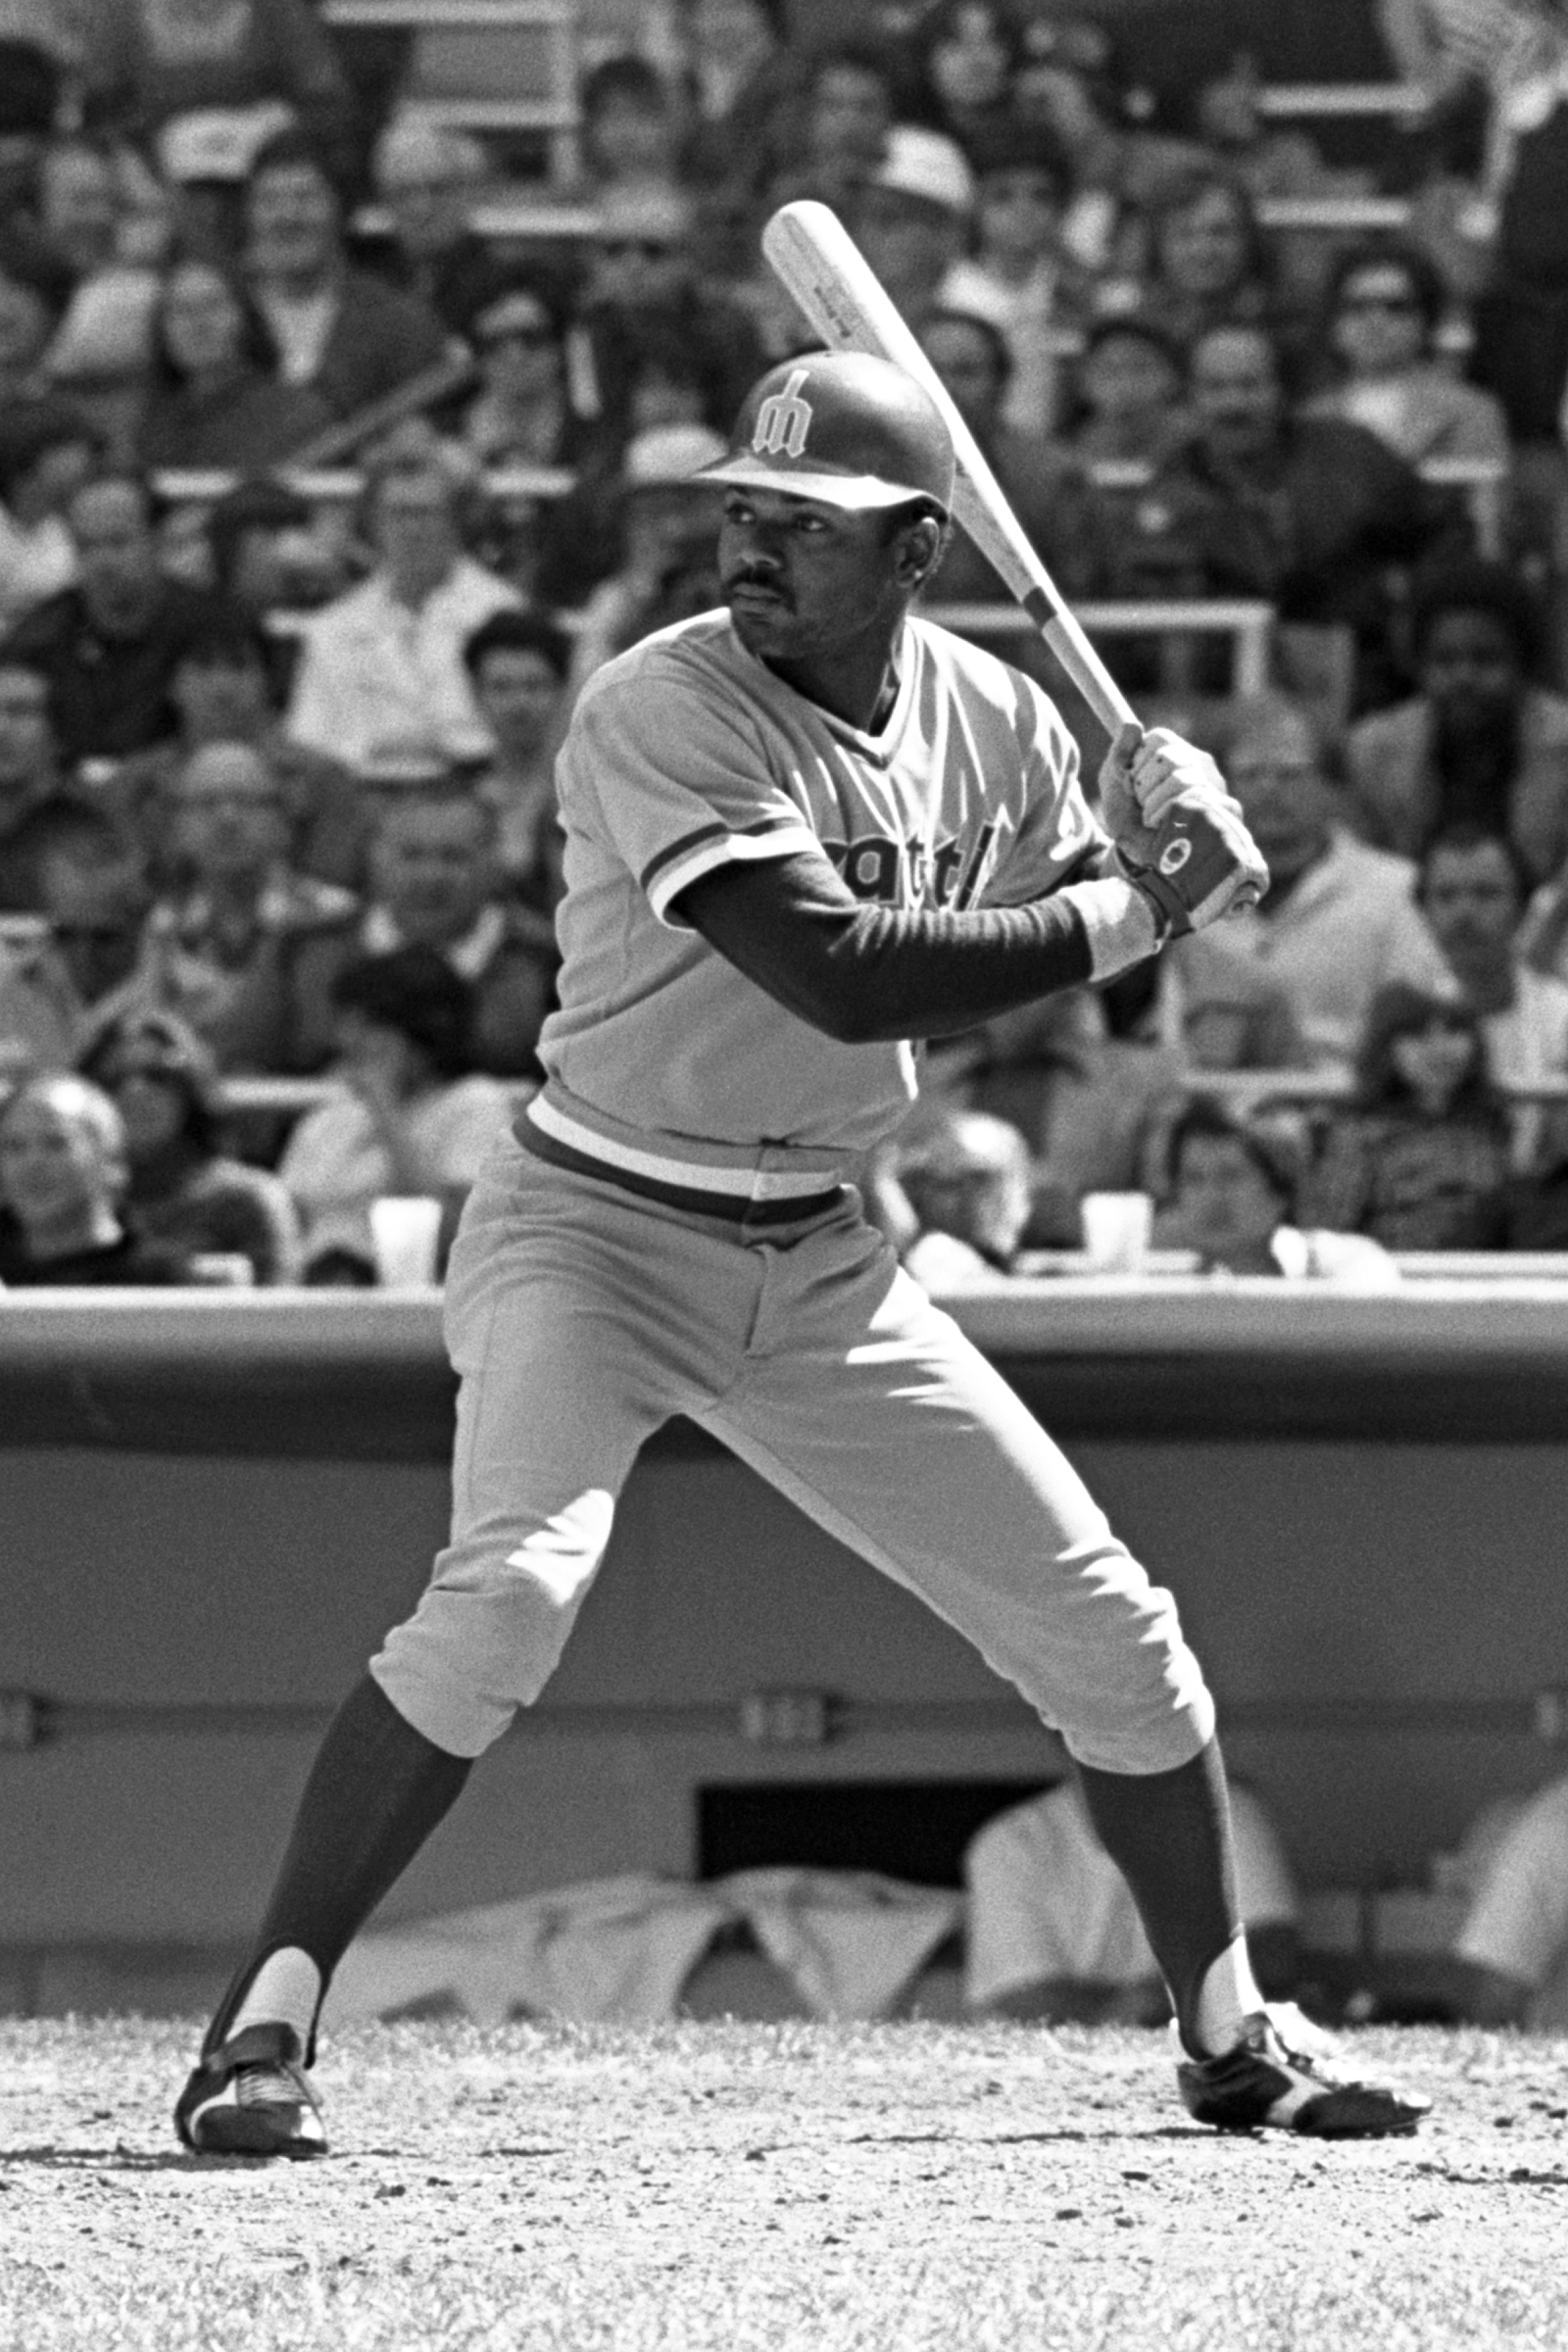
[(860, 971)]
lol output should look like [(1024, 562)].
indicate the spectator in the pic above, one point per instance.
[(183, 1191), (81, 204), (644, 276), (1420, 1161), (214, 399), (1382, 310), (1308, 515), (519, 664), (1131, 388), (1052, 1933), (429, 180), (914, 216), (338, 331), (523, 414), (1472, 892), (629, 131), (1045, 490), (29, 777), (386, 658), (63, 1178), (1020, 277), (829, 148), (233, 939), (271, 552), (34, 293), (1230, 1197), (1207, 264), (968, 1183), (150, 64), (1483, 741), (109, 645), (46, 453), (1212, 1004), (968, 51), (408, 1117), (1511, 1953), (668, 565), (1339, 920), (91, 888), (433, 886)]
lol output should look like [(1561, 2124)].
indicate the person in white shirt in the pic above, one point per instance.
[(1473, 890), (46, 453), (1340, 920), (386, 659), (1231, 1200), (408, 1119), (1053, 1933), (966, 1181)]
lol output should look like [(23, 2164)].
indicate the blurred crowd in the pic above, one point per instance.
[(338, 445)]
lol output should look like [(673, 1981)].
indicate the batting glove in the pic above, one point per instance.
[(1180, 835)]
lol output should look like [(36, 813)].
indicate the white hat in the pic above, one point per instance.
[(926, 163), (666, 454)]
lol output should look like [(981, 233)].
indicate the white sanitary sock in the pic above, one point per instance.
[(285, 1991), (1228, 1993)]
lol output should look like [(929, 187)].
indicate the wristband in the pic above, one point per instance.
[(1122, 924)]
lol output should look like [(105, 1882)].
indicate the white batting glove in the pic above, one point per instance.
[(1179, 834)]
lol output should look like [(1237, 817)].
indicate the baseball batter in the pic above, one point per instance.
[(800, 832)]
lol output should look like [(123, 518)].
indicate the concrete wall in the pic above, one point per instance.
[(1421, 1578)]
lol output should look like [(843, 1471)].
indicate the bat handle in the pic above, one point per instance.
[(1078, 657)]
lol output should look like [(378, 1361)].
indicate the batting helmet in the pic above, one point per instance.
[(841, 426)]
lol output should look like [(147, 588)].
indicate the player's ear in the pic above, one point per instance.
[(918, 550)]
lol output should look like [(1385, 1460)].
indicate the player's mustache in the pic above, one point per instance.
[(748, 577)]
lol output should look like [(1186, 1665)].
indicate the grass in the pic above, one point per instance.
[(719, 2188)]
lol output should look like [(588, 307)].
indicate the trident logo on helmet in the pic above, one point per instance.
[(783, 421)]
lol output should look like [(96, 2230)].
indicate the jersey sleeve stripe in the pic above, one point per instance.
[(709, 851), (714, 832)]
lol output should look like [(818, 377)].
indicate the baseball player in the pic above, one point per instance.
[(800, 832)]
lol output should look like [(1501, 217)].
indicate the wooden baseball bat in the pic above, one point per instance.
[(816, 259)]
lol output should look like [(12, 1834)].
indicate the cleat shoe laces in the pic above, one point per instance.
[(251, 2096), (1283, 2076)]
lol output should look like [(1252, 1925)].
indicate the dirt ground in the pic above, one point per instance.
[(776, 2186)]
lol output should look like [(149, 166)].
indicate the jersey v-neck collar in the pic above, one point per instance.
[(881, 748)]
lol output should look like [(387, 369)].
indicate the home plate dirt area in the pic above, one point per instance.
[(775, 2186)]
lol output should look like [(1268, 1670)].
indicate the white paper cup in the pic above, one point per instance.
[(1116, 1230), (404, 1234)]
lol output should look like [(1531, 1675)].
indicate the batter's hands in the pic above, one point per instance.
[(1179, 834)]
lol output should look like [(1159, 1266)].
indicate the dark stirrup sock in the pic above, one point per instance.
[(376, 1792), (1169, 1833)]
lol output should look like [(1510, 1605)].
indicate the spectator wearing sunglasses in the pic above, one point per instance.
[(1385, 303), (183, 1191)]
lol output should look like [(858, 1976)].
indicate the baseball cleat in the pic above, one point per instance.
[(251, 2096), (1267, 2081)]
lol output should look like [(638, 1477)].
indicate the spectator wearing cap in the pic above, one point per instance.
[(968, 1183), (234, 933), (1044, 487), (1129, 408), (1483, 740), (410, 1116), (214, 398), (109, 645), (643, 275), (430, 177), (668, 564), (339, 330), (46, 452), (1019, 276), (519, 663), (436, 884), (387, 658), (1380, 312), (63, 1179), (1230, 1194), (184, 1192), (914, 217)]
